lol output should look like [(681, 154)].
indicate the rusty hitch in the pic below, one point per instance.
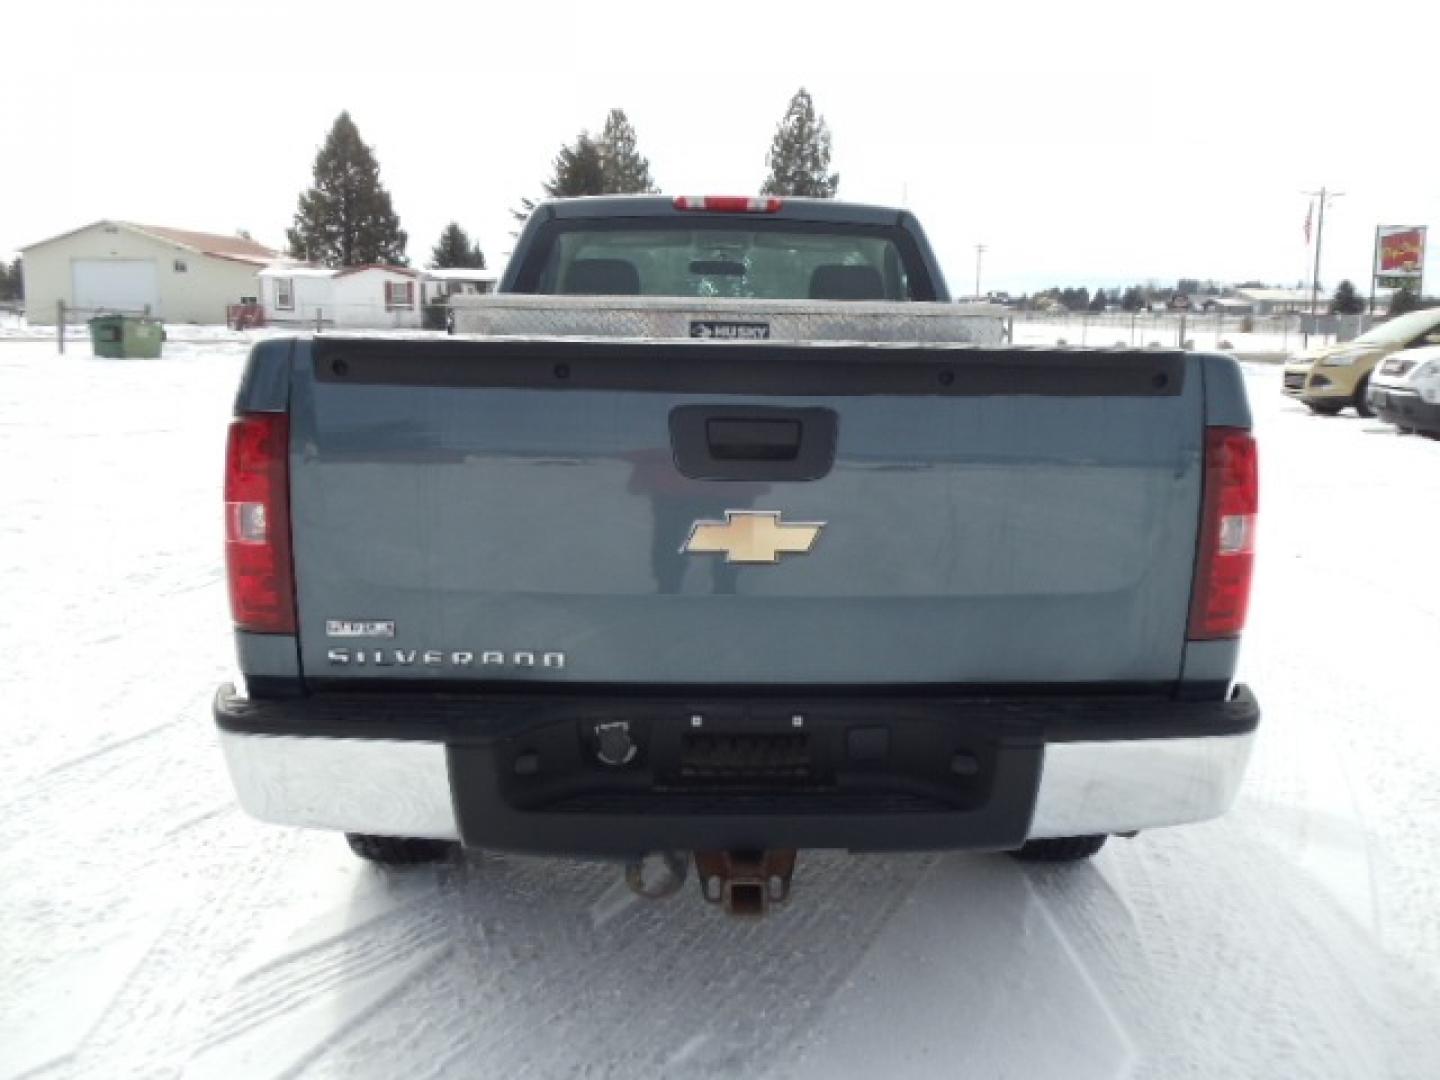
[(745, 883)]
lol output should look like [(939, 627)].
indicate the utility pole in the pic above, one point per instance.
[(1324, 196), (979, 256)]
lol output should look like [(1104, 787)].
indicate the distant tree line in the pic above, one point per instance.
[(1345, 300), (1129, 298)]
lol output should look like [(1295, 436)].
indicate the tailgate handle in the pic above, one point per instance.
[(752, 442)]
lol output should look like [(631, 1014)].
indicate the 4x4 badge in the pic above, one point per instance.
[(363, 628)]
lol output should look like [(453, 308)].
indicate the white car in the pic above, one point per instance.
[(1405, 390)]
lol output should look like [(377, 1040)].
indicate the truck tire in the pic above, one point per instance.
[(1059, 849), (398, 850), (1325, 408)]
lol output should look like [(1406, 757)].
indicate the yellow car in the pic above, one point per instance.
[(1330, 378)]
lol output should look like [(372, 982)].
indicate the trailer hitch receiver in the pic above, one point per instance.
[(745, 883)]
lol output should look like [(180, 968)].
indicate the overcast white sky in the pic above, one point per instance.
[(1083, 143)]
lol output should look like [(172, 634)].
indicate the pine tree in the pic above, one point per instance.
[(1133, 300), (455, 249), (799, 158), (12, 280), (578, 170), (1099, 300), (623, 170), (345, 218), (608, 166), (1346, 300), (1402, 301)]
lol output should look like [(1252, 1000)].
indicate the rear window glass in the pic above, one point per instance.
[(770, 261)]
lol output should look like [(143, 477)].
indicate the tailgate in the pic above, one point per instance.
[(697, 513)]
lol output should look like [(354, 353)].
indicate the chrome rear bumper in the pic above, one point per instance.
[(1119, 786), (388, 787), (402, 787)]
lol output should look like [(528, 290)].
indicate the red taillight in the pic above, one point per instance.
[(729, 204), (1227, 538), (257, 524)]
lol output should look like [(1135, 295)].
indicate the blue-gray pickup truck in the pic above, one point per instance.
[(726, 533)]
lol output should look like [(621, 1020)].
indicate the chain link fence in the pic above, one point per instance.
[(1277, 335)]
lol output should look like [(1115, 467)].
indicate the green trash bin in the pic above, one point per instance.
[(126, 337)]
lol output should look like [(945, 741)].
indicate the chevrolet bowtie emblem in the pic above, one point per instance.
[(752, 536)]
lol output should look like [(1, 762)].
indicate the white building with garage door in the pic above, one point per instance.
[(178, 275)]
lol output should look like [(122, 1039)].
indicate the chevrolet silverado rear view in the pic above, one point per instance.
[(720, 530)]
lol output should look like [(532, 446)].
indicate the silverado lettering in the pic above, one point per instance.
[(436, 658)]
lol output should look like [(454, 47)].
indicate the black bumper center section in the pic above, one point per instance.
[(742, 776)]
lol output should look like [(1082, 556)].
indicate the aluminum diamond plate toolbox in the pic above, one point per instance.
[(518, 315)]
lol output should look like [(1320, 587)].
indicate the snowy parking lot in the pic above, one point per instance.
[(148, 928)]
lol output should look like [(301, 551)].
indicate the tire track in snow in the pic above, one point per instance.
[(297, 993), (530, 959), (1221, 955), (219, 903), (292, 982), (46, 779)]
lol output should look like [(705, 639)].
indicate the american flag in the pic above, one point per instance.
[(1308, 215)]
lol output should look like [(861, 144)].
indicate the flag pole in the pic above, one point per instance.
[(1374, 268), (1319, 240), (1315, 276)]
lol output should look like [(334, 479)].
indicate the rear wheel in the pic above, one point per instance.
[(1059, 849), (1325, 408), (398, 850)]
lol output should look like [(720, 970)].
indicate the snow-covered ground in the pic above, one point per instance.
[(16, 329), (1274, 339), (148, 928)]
